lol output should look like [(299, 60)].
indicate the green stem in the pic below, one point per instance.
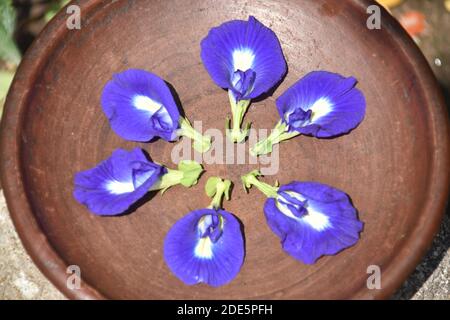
[(251, 179), (187, 175), (216, 202), (278, 134), (216, 188), (201, 143), (238, 110)]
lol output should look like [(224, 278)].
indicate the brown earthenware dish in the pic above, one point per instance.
[(394, 165)]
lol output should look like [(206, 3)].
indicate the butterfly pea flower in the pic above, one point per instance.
[(310, 218), (244, 57), (140, 106), (118, 182), (321, 104), (206, 245)]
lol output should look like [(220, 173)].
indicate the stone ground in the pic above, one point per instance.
[(431, 280), (20, 278)]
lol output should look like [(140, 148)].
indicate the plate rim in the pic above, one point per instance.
[(54, 267)]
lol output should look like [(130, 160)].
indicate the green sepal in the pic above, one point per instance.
[(191, 172), (238, 110), (251, 179), (201, 143), (216, 188), (187, 175), (278, 134)]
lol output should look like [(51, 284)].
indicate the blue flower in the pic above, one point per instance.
[(140, 106), (321, 104), (244, 57), (311, 219), (205, 246), (117, 182)]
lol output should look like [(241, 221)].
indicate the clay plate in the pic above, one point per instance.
[(394, 165)]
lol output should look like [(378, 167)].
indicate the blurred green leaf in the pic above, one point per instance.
[(5, 81), (211, 186), (8, 49), (7, 17), (54, 8)]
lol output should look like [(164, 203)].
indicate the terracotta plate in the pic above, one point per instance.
[(394, 165)]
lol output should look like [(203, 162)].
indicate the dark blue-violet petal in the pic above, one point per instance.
[(242, 83), (140, 106), (329, 226), (198, 260), (243, 45), (334, 104), (116, 183)]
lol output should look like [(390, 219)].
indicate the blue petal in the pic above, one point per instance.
[(196, 259), (335, 106), (243, 45), (117, 182), (140, 106), (329, 226), (242, 83)]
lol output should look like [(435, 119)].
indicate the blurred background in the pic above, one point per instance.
[(428, 23)]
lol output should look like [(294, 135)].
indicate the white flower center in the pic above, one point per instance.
[(203, 249), (146, 104), (119, 187), (151, 106), (315, 219), (243, 59), (320, 108)]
